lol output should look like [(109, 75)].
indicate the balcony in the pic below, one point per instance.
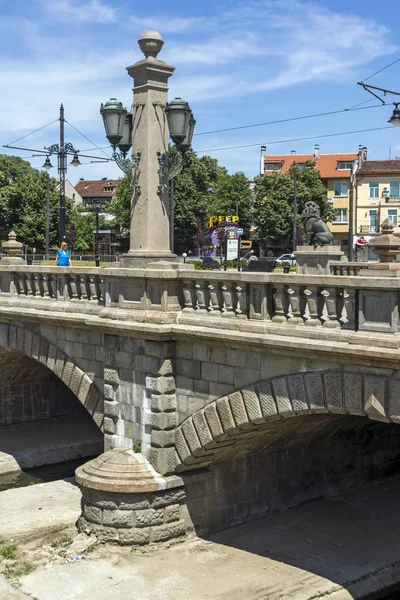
[(369, 229), (392, 199)]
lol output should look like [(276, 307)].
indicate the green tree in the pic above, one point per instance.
[(233, 196), (23, 192), (84, 221), (273, 203)]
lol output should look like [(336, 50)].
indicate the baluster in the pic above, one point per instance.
[(72, 287), (35, 289), (311, 294), (28, 287), (296, 305), (200, 290), (349, 300), (17, 284), (91, 288), (83, 284), (188, 295), (280, 304), (331, 308), (258, 302), (241, 309), (50, 286), (227, 295), (215, 310)]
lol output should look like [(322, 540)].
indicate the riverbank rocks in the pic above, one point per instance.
[(125, 501)]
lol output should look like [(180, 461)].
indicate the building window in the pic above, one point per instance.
[(340, 215), (374, 189), (344, 164), (273, 166), (395, 189), (373, 220), (341, 188), (392, 216)]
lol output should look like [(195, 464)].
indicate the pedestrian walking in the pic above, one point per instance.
[(63, 256)]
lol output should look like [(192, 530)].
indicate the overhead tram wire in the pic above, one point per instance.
[(89, 140), (322, 114), (31, 133), (383, 68), (311, 137)]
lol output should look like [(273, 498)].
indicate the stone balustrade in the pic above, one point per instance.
[(231, 300)]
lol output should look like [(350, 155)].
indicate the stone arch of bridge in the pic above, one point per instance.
[(27, 343), (248, 419)]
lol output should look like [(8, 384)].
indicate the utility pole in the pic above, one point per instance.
[(62, 170), (96, 245), (350, 245), (294, 240), (47, 251)]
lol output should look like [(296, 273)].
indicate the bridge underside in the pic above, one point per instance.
[(41, 420), (289, 462)]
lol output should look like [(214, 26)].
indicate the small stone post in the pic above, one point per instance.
[(13, 250), (150, 234)]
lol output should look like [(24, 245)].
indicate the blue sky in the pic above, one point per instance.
[(237, 63)]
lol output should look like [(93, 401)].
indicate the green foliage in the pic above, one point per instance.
[(8, 551), (84, 221), (137, 447), (202, 189), (273, 197), (23, 192)]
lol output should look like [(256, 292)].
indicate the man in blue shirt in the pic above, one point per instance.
[(63, 259)]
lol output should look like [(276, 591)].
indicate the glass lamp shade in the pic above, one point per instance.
[(75, 162), (47, 164), (187, 142), (126, 141), (178, 113), (395, 118), (113, 114)]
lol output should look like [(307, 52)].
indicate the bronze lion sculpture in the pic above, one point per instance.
[(316, 230)]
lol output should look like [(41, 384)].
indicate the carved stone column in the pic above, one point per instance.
[(150, 235)]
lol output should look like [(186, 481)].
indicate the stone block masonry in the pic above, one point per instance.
[(133, 520)]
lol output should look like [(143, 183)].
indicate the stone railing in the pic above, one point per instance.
[(232, 300)]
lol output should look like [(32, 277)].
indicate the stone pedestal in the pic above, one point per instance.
[(150, 234), (314, 260), (125, 501)]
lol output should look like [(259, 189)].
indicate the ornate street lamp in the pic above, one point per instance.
[(395, 118), (118, 125), (47, 164), (178, 115)]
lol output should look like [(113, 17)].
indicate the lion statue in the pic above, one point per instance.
[(316, 230)]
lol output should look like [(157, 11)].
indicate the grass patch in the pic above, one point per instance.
[(61, 542), (19, 570), (8, 551)]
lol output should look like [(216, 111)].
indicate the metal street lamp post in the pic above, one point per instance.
[(98, 205), (62, 150), (152, 166)]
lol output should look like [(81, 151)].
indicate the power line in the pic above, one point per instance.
[(323, 114), (383, 68), (366, 102), (312, 137), (31, 133), (87, 139)]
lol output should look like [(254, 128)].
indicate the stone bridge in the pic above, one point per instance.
[(253, 391)]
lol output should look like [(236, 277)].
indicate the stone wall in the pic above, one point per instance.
[(307, 458), (133, 519), (35, 401)]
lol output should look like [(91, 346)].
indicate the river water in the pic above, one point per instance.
[(41, 474)]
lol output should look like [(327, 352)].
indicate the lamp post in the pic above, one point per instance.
[(152, 167), (98, 205), (61, 150), (294, 236)]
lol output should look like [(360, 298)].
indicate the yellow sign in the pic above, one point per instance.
[(246, 244), (222, 219)]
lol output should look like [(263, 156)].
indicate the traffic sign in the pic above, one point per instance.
[(240, 231)]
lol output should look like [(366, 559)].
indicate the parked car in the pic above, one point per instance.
[(290, 258)]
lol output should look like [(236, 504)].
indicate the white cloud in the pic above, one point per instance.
[(94, 11), (166, 24)]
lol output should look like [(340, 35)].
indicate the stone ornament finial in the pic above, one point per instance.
[(386, 245), (150, 43), (13, 250), (387, 227)]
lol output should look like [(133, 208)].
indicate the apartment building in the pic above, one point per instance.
[(94, 191), (335, 170), (377, 193)]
